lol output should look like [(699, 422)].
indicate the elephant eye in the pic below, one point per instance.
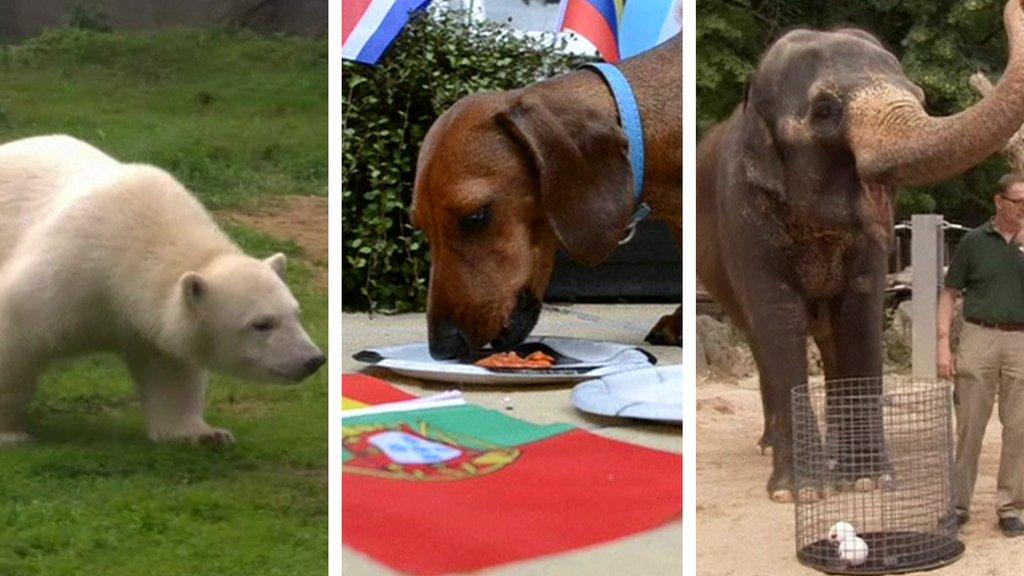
[(826, 108), (476, 221)]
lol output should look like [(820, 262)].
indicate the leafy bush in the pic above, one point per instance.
[(441, 57), (84, 17)]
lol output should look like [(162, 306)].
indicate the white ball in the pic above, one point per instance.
[(840, 532), (854, 551)]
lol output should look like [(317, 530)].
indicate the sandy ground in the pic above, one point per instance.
[(740, 532), (300, 219), (650, 553)]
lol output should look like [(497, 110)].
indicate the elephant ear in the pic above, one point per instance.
[(582, 165), (762, 159)]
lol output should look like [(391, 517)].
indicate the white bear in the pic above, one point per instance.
[(96, 255)]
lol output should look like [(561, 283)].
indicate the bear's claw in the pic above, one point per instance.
[(203, 437), (216, 437)]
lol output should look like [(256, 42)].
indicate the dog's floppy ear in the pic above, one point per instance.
[(762, 160), (582, 164)]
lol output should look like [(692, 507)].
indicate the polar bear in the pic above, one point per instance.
[(96, 255)]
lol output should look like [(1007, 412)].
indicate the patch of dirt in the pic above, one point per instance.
[(300, 219), (718, 404), (740, 532)]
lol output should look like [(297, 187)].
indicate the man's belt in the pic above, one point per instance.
[(1005, 326)]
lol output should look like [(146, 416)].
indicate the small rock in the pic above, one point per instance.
[(720, 349), (718, 404)]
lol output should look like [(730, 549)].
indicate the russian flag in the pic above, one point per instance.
[(648, 23), (368, 27), (595, 20)]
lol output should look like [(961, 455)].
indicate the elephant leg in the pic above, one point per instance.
[(766, 440), (778, 331), (821, 331), (855, 419)]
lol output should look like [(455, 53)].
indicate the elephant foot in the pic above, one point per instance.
[(808, 495), (780, 488), (859, 485), (668, 331), (865, 483)]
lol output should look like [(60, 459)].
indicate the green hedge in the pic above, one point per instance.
[(441, 57)]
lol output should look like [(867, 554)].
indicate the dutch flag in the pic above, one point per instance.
[(368, 27)]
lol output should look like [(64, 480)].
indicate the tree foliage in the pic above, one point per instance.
[(940, 43), (441, 57)]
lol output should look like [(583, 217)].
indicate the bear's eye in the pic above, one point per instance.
[(476, 221), (263, 325)]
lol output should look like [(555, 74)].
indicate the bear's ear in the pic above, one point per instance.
[(278, 262), (193, 288)]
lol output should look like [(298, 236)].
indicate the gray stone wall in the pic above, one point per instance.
[(20, 19)]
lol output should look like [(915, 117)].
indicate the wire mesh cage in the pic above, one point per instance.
[(873, 465)]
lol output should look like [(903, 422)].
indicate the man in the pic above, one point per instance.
[(988, 269)]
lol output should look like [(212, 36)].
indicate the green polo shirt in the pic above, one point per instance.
[(990, 273)]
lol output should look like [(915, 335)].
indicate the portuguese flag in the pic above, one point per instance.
[(462, 488)]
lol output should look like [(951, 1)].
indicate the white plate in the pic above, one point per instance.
[(647, 394), (591, 359)]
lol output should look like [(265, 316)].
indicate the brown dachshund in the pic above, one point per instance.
[(506, 178)]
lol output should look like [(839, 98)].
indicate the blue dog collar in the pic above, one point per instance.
[(629, 118)]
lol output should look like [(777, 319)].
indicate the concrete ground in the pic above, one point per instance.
[(651, 553)]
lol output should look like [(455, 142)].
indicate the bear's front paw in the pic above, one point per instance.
[(205, 436), (12, 439), (213, 437)]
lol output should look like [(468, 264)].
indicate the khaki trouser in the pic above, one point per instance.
[(990, 362)]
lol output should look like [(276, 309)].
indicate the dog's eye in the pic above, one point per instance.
[(476, 221), (263, 325)]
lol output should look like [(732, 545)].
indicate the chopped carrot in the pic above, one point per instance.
[(512, 360)]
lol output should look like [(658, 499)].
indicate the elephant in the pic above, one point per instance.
[(795, 194)]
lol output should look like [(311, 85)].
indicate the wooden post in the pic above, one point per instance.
[(927, 256)]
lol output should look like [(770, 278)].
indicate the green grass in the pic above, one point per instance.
[(238, 118), (235, 116)]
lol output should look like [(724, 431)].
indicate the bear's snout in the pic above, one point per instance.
[(313, 364), (304, 366)]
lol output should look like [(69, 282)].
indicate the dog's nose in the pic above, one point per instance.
[(313, 364), (447, 341)]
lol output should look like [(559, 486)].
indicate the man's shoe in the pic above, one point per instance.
[(1011, 526)]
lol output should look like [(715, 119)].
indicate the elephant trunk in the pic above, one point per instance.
[(897, 143)]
